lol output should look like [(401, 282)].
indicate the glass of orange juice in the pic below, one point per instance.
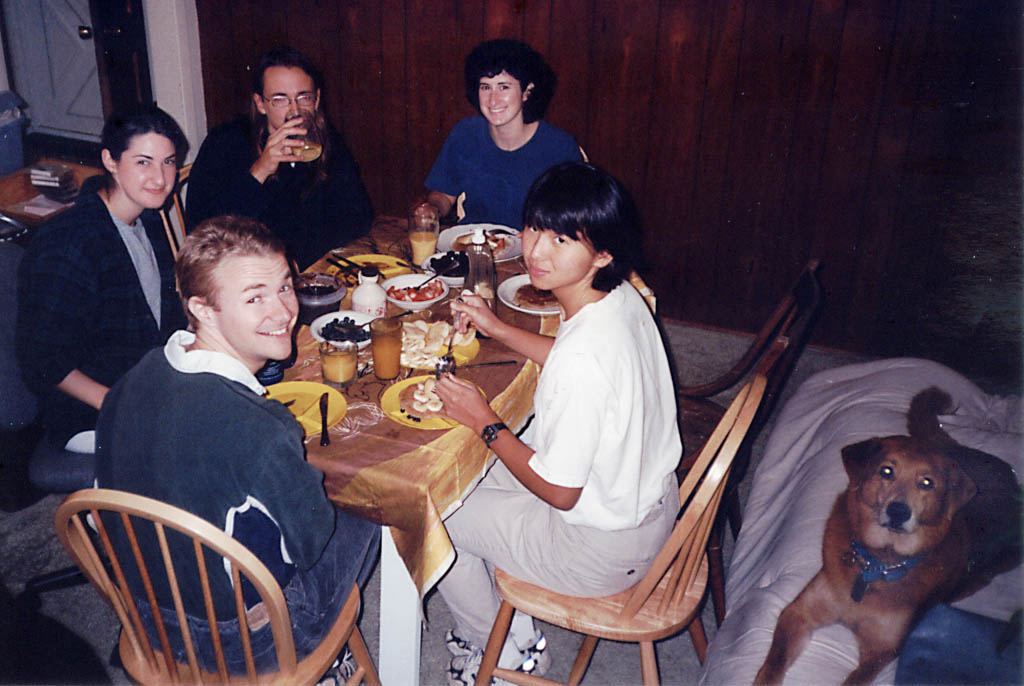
[(339, 362), (386, 346), (424, 224)]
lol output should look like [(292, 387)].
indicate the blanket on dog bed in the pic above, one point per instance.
[(792, 492)]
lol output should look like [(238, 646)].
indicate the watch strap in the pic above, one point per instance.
[(490, 432)]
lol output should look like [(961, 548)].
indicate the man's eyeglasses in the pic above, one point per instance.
[(279, 102)]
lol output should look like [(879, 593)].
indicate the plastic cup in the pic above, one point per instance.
[(424, 225)]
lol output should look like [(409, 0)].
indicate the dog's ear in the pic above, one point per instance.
[(961, 487), (859, 456)]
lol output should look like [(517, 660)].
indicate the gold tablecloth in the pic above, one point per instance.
[(403, 477)]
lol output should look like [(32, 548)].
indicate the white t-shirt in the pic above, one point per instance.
[(606, 413)]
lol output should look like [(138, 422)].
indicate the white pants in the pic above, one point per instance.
[(504, 525)]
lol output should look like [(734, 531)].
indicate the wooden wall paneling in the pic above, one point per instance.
[(724, 39), (816, 82), (675, 134), (503, 18), (754, 184), (537, 25), (568, 51), (838, 221), (394, 162), (889, 164), (621, 89), (430, 61), (220, 61), (360, 111)]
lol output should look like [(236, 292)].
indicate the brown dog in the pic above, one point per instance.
[(894, 544)]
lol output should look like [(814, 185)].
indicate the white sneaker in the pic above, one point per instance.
[(462, 669), (457, 645)]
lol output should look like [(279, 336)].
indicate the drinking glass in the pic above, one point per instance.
[(424, 224), (311, 146), (339, 363), (386, 345)]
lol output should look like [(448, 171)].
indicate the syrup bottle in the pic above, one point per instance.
[(369, 296)]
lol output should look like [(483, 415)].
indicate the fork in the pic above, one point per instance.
[(446, 363)]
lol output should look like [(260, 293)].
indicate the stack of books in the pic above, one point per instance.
[(55, 181)]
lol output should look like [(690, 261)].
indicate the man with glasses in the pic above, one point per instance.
[(250, 167)]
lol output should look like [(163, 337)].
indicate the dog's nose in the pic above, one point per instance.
[(898, 513)]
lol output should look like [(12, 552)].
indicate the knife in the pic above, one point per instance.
[(491, 364), (324, 438)]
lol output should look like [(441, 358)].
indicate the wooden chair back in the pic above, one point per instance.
[(700, 493), (81, 512), (175, 229)]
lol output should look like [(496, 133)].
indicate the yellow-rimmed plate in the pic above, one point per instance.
[(389, 266), (391, 403), (306, 405), (462, 354)]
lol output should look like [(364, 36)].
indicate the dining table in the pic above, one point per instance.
[(22, 201), (404, 477)]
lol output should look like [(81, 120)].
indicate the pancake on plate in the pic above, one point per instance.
[(532, 298), (420, 400), (496, 241)]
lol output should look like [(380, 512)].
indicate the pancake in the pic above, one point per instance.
[(530, 297), (421, 401)]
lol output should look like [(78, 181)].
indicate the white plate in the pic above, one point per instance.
[(511, 251), (507, 294), (357, 317), (453, 281)]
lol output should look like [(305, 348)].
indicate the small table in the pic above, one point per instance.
[(16, 190), (409, 479)]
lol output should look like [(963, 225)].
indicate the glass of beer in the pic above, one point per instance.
[(386, 346), (339, 362), (424, 224), (309, 147)]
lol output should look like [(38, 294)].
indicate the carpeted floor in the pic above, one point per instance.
[(70, 635)]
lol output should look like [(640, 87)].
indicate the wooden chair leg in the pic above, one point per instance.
[(716, 570), (648, 663), (700, 640), (734, 512), (494, 643), (582, 660), (358, 647)]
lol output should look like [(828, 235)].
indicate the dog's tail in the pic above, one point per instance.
[(923, 417)]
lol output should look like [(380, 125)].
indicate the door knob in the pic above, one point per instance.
[(85, 32)]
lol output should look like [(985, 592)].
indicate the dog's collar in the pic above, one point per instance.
[(873, 570)]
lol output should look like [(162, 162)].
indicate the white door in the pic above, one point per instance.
[(52, 68)]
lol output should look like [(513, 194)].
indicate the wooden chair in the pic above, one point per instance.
[(176, 231), (668, 597), (793, 318), (80, 513)]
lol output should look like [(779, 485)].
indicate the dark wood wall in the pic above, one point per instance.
[(753, 133)]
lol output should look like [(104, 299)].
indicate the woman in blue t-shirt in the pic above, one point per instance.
[(494, 157)]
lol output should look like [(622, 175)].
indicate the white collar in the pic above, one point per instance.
[(209, 361)]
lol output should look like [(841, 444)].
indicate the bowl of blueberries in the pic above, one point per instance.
[(453, 265), (345, 325)]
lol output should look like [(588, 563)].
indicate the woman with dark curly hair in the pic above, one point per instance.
[(249, 167), (494, 157)]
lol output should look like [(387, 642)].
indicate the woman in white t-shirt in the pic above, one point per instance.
[(581, 503)]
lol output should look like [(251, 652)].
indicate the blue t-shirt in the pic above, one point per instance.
[(496, 181)]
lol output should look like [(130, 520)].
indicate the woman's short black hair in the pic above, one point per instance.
[(583, 202), (521, 61), (284, 56), (121, 127)]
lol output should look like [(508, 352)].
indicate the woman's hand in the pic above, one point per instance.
[(280, 147), (474, 309), (464, 403)]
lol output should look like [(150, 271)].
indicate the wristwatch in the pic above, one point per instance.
[(490, 432)]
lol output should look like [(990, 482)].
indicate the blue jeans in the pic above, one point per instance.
[(314, 598)]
